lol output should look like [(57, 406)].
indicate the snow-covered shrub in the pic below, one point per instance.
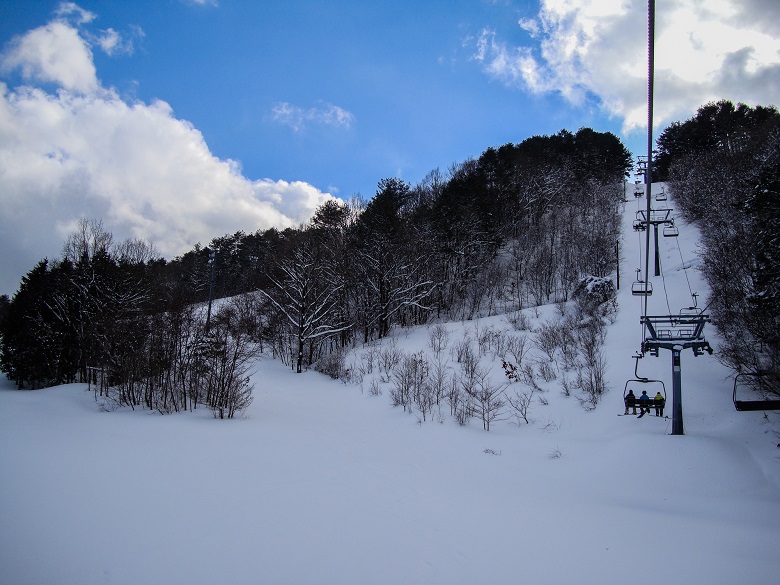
[(596, 296), (389, 357), (517, 346), (438, 338), (332, 364), (409, 384), (519, 320)]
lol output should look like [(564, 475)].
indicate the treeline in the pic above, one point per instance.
[(119, 317), (518, 226), (723, 166)]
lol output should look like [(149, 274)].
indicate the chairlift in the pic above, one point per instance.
[(638, 193), (671, 231), (641, 381), (641, 288), (747, 386), (694, 310), (654, 385), (661, 196), (639, 225)]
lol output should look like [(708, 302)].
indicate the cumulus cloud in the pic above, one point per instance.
[(82, 151), (299, 118), (54, 53), (590, 49)]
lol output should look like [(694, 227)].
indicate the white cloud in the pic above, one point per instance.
[(299, 118), (202, 2), (54, 53), (70, 11), (113, 43), (591, 48), (84, 152)]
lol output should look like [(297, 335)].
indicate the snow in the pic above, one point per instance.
[(321, 482)]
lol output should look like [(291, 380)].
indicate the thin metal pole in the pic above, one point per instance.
[(649, 170)]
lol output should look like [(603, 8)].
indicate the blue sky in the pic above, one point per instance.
[(177, 121)]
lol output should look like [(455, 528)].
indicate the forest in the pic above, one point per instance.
[(723, 168), (522, 225)]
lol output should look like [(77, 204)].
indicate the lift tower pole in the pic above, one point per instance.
[(649, 169)]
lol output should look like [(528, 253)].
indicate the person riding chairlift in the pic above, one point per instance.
[(630, 401), (644, 404), (659, 402)]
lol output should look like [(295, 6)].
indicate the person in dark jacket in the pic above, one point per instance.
[(630, 401), (644, 404), (659, 402)]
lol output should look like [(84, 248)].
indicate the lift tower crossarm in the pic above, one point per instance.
[(681, 328), (657, 216)]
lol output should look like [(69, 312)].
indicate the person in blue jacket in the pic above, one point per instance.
[(644, 404)]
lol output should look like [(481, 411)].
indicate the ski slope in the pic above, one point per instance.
[(322, 482)]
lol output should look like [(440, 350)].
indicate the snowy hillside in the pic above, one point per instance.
[(326, 482)]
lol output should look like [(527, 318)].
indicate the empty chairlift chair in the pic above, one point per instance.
[(640, 288), (753, 391), (671, 231)]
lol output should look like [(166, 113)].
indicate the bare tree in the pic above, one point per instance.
[(516, 345), (88, 239), (520, 404), (409, 384), (136, 251), (438, 338), (489, 399), (229, 364)]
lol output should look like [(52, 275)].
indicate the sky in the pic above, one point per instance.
[(177, 121)]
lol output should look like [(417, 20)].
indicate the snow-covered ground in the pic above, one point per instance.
[(323, 482)]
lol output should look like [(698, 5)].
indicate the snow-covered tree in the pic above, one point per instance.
[(306, 297)]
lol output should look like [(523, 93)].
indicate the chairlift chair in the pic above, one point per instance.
[(671, 231), (641, 288), (693, 310), (661, 196), (637, 379), (746, 386)]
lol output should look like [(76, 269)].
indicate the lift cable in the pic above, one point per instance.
[(666, 291), (685, 268), (640, 287)]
